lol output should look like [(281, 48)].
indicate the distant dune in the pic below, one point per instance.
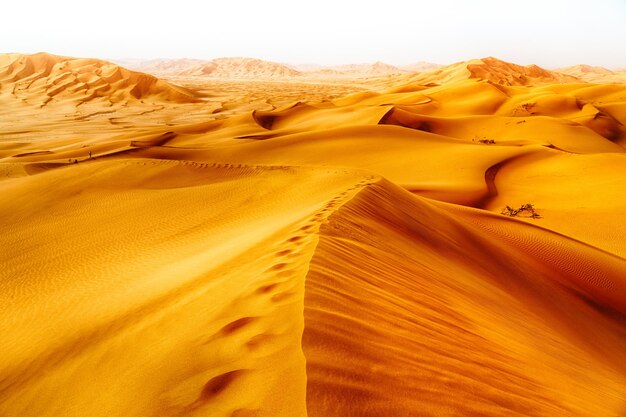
[(169, 66), (240, 68), (249, 68), (501, 72), (376, 69), (43, 79), (366, 70), (446, 243), (582, 70), (592, 74), (492, 70)]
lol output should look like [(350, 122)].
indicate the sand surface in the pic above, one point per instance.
[(321, 247)]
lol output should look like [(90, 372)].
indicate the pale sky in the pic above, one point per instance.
[(550, 33)]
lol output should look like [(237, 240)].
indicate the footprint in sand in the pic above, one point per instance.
[(237, 325)]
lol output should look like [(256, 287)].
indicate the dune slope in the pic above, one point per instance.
[(493, 70), (283, 249), (44, 78), (446, 298), (166, 269), (246, 68), (449, 311)]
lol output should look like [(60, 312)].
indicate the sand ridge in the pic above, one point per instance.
[(143, 303), (43, 78), (311, 248)]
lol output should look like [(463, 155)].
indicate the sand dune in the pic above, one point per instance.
[(492, 70), (168, 66), (580, 71), (246, 68), (593, 74), (376, 69), (43, 78), (447, 325), (257, 69), (248, 329), (286, 248)]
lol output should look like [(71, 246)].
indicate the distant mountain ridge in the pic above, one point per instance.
[(165, 66), (376, 68), (252, 68), (594, 74), (421, 66)]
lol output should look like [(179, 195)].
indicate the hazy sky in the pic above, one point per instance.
[(547, 32)]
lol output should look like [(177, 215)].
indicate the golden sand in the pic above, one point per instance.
[(292, 247)]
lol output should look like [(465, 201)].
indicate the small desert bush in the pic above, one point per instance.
[(525, 210)]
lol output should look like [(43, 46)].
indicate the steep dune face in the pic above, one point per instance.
[(44, 79), (451, 319), (333, 256), (505, 73)]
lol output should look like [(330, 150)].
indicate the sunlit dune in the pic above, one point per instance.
[(244, 239), (44, 78), (487, 69)]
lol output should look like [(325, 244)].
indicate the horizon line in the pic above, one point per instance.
[(321, 65)]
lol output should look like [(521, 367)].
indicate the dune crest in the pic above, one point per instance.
[(492, 70), (432, 310), (168, 66), (310, 247), (44, 78), (240, 68)]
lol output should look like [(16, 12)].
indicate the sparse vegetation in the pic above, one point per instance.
[(525, 210), (525, 108), (484, 140)]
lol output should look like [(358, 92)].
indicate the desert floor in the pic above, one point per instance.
[(197, 247)]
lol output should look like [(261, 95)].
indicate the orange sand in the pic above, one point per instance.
[(320, 247)]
